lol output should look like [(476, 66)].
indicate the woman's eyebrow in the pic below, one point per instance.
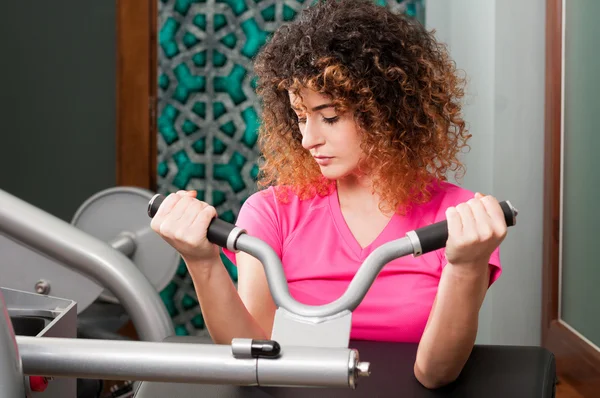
[(316, 108), (322, 106)]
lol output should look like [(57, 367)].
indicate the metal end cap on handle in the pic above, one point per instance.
[(356, 369), (151, 203), (514, 211)]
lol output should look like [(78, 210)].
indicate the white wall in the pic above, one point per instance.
[(500, 47)]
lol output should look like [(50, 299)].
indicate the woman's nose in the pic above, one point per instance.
[(311, 136)]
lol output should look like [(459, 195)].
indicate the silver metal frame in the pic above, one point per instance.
[(186, 363), (91, 257)]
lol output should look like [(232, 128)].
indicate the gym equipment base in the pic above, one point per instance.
[(491, 372), (41, 317)]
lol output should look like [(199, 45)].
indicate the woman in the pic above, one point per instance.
[(361, 123)]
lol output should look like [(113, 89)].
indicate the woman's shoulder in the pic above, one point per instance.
[(261, 198), (278, 212), (282, 200), (442, 195), (271, 196), (451, 193)]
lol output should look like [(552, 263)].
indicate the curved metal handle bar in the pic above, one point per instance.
[(348, 301), (416, 242)]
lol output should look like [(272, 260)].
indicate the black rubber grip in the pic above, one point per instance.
[(218, 230), (434, 236)]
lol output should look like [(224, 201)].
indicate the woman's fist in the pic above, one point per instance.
[(475, 229), (182, 221)]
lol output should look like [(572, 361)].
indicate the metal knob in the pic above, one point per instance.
[(42, 287), (363, 369)]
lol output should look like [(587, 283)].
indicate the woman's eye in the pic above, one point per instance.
[(328, 120), (331, 120)]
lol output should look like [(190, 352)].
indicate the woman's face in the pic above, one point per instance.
[(332, 139)]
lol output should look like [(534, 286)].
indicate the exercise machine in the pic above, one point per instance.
[(309, 346), (115, 216), (36, 245)]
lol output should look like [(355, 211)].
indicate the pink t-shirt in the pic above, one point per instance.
[(320, 257)]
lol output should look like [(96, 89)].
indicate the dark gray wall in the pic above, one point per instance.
[(57, 101)]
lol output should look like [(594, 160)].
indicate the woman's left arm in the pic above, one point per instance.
[(475, 230)]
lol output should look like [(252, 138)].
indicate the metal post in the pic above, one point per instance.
[(11, 373), (186, 363), (134, 360)]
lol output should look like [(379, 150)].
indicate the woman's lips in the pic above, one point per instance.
[(323, 160)]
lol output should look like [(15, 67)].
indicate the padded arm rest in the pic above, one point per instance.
[(502, 371), (491, 372)]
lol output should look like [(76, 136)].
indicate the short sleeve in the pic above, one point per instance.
[(258, 216), (496, 266)]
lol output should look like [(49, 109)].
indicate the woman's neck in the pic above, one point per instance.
[(356, 194)]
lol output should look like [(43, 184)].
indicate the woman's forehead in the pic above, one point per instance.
[(307, 99)]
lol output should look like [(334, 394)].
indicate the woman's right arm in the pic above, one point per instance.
[(247, 312)]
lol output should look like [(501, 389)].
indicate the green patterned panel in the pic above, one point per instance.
[(208, 114)]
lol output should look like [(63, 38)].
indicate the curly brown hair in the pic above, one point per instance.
[(394, 76)]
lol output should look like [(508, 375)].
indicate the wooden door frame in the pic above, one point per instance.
[(136, 23), (577, 362)]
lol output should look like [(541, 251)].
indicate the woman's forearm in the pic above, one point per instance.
[(451, 330), (225, 315)]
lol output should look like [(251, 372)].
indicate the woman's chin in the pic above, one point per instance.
[(332, 173)]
